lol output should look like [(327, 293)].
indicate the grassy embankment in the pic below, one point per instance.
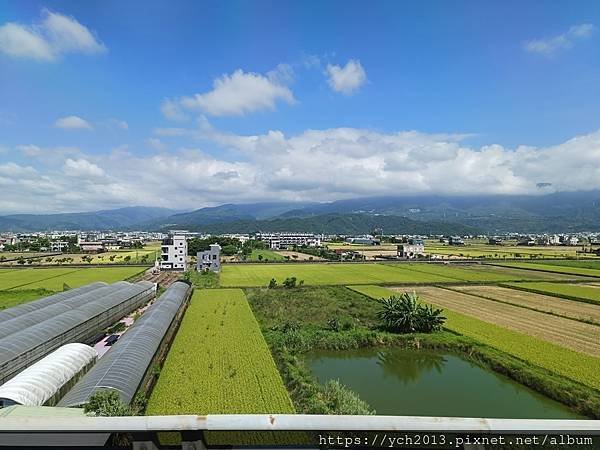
[(556, 268), (577, 292), (560, 373)]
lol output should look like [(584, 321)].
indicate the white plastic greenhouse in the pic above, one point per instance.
[(47, 380)]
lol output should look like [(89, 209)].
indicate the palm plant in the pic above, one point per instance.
[(405, 314)]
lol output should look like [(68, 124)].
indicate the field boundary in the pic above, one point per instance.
[(537, 269)]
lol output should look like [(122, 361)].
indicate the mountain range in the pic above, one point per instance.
[(436, 214)]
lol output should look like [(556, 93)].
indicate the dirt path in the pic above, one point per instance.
[(540, 302), (568, 333), (164, 278)]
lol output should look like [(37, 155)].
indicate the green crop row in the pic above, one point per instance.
[(219, 362), (576, 366), (576, 292)]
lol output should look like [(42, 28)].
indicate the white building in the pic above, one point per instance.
[(210, 260), (277, 241), (414, 248), (173, 253), (59, 246)]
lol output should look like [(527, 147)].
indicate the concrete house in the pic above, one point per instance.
[(173, 253), (209, 260), (414, 248)]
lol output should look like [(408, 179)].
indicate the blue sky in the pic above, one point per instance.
[(319, 101)]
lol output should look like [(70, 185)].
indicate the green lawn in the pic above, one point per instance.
[(574, 365), (559, 268), (250, 275), (219, 362), (8, 299), (569, 291), (54, 279), (265, 255)]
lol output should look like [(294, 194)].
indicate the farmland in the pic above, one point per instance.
[(54, 279), (253, 275), (478, 249), (554, 358), (578, 292), (562, 268), (544, 303), (219, 362), (8, 299), (568, 333)]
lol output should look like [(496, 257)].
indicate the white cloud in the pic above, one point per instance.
[(82, 168), (236, 95), (156, 144), (347, 79), (313, 165), (118, 124), (54, 36), (172, 110), (72, 123), (564, 41)]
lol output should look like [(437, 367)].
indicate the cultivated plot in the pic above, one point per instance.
[(55, 279), (565, 269), (555, 358), (578, 336), (251, 275), (544, 303), (481, 273), (580, 292), (219, 362)]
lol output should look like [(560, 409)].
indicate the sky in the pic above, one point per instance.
[(106, 104)]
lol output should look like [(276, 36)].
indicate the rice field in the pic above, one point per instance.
[(482, 273), (539, 302), (219, 362), (561, 269), (55, 278), (578, 292), (578, 336), (577, 366), (253, 275), (8, 299)]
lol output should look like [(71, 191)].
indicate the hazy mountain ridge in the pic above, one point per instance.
[(113, 219), (553, 213)]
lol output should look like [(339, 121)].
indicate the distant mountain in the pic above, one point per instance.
[(557, 212), (114, 219), (338, 224), (226, 213)]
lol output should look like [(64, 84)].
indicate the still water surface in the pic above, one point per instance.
[(431, 383)]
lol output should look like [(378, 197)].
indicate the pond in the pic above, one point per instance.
[(422, 382)]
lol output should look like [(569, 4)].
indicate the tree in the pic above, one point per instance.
[(127, 258), (260, 257), (405, 314), (21, 260)]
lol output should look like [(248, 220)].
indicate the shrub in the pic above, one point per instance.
[(272, 283), (405, 314), (106, 402), (289, 283), (341, 400)]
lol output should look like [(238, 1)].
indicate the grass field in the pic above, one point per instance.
[(8, 299), (251, 275), (575, 270), (311, 306), (563, 361), (265, 255), (53, 279), (219, 362), (544, 303), (578, 336), (578, 292)]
